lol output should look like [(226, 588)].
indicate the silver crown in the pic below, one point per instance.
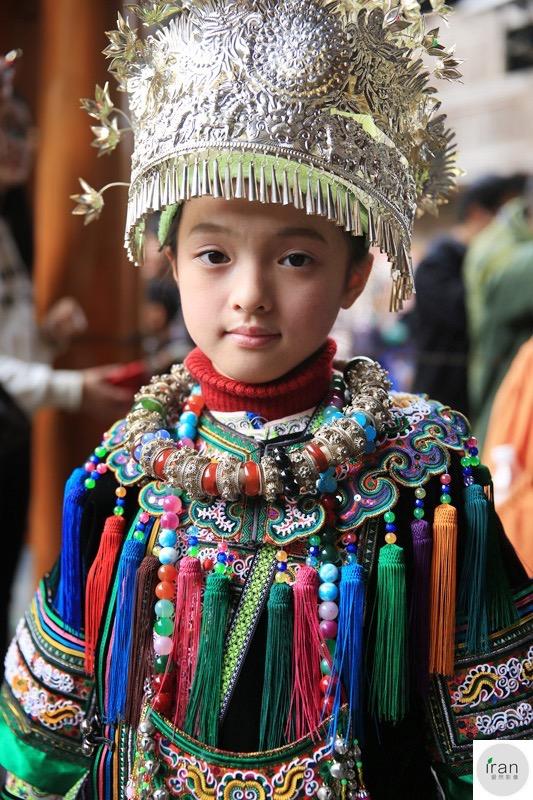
[(322, 104)]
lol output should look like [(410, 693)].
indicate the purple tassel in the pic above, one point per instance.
[(419, 612)]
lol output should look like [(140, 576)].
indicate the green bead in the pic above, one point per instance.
[(331, 646), (419, 513), (90, 483), (314, 540), (358, 764), (151, 404), (344, 781), (194, 550), (118, 511), (325, 667), (164, 626), (445, 498), (101, 451), (324, 771), (329, 553), (465, 461), (329, 536), (160, 663), (389, 516), (220, 568), (138, 536), (474, 461), (420, 493)]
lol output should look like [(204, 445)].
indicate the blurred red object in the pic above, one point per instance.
[(130, 376)]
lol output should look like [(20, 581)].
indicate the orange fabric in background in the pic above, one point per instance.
[(511, 423), (87, 263)]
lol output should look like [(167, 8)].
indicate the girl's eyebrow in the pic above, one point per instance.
[(212, 227)]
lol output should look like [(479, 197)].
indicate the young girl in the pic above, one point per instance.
[(256, 595)]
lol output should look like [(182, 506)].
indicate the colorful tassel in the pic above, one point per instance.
[(473, 581), (419, 610), (130, 560), (202, 715), (98, 580), (278, 669), (146, 581), (69, 595), (347, 663), (442, 592), (389, 681), (186, 631), (305, 706)]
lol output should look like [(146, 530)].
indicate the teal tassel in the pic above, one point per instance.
[(278, 668), (473, 583), (69, 596), (347, 663), (201, 720), (130, 560), (389, 679)]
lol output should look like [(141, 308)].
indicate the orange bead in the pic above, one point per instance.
[(390, 538), (161, 460), (196, 403), (120, 492), (165, 590), (209, 479), (318, 456), (167, 572), (252, 478)]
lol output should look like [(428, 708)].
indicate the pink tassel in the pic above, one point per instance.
[(307, 647), (187, 631)]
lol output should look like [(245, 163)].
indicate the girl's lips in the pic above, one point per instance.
[(251, 340)]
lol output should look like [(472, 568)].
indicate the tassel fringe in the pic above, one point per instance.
[(473, 582), (443, 588), (419, 610), (278, 670), (186, 631), (69, 595)]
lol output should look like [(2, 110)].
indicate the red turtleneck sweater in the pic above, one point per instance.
[(301, 388)]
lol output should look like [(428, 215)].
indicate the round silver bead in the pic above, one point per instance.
[(324, 793), (146, 744), (160, 794), (146, 727), (341, 746), (85, 727), (87, 749), (336, 770)]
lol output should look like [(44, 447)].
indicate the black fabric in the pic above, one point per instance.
[(439, 326)]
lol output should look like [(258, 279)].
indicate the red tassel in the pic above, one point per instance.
[(306, 653), (186, 631), (98, 580)]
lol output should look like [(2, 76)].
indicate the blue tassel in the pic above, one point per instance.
[(130, 560), (473, 590), (347, 662), (69, 594)]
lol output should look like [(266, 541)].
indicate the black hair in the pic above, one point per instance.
[(490, 193), (358, 245)]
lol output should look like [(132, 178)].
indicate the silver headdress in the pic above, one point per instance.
[(323, 104)]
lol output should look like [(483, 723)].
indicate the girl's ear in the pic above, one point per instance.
[(358, 275), (172, 260)]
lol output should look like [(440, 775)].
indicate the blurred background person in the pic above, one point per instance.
[(508, 452), (28, 382), (499, 299), (438, 322)]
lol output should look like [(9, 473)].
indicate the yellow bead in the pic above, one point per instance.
[(281, 555), (390, 538), (281, 577), (120, 492)]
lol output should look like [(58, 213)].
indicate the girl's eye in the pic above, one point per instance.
[(296, 260), (213, 257)]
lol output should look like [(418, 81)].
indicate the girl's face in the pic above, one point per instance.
[(260, 284)]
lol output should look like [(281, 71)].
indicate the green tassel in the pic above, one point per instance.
[(389, 680), (204, 704), (473, 592), (278, 668)]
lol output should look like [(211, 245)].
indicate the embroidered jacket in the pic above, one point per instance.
[(48, 694)]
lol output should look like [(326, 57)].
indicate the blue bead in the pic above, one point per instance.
[(168, 555), (311, 561), (186, 432), (351, 548), (196, 390), (137, 453), (314, 551), (140, 526), (331, 413), (94, 459), (390, 527), (467, 471), (192, 541), (222, 557), (120, 501), (360, 418), (167, 538), (147, 437), (419, 503), (328, 573), (328, 591), (189, 418), (473, 451), (282, 566), (162, 433), (352, 558), (192, 530), (370, 433)]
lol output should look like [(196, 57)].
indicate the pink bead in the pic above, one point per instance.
[(172, 503), (328, 628), (445, 479), (472, 442), (162, 645), (328, 610), (349, 538), (145, 516), (222, 546), (101, 468), (89, 466), (130, 792), (187, 442), (170, 520)]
